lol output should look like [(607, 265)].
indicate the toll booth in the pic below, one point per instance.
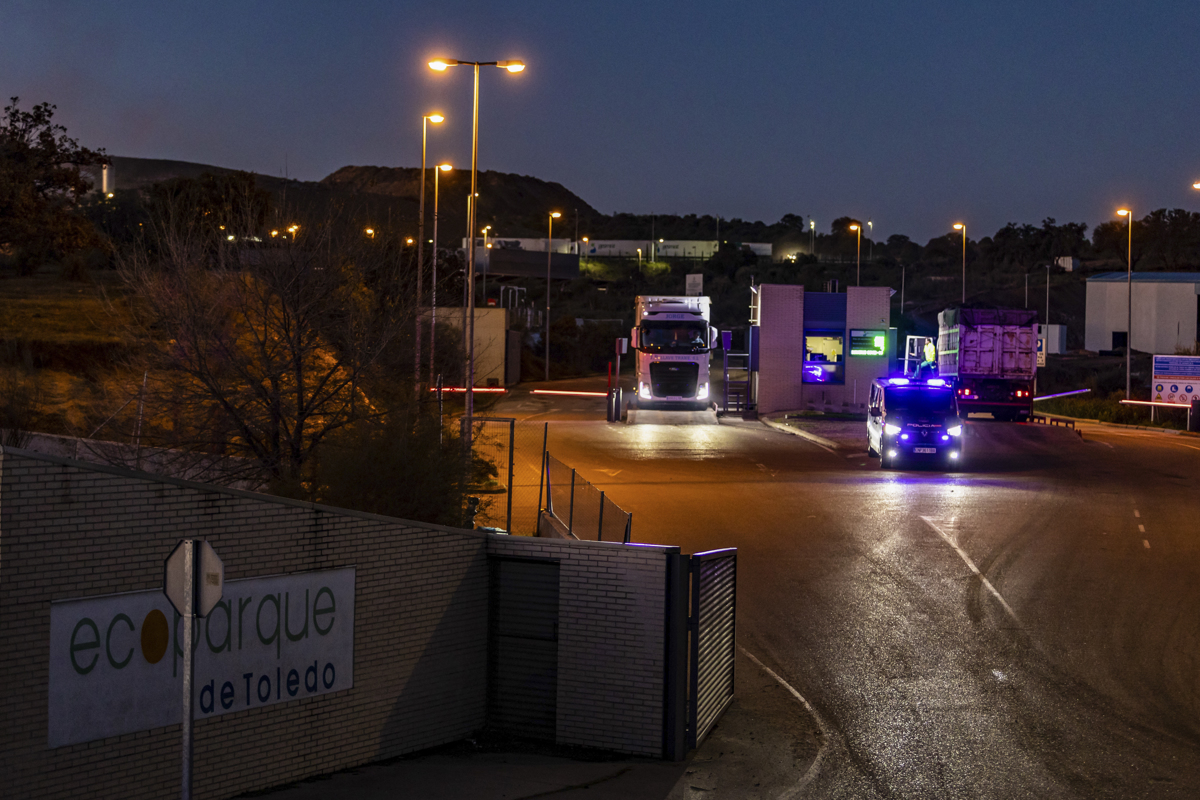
[(818, 350)]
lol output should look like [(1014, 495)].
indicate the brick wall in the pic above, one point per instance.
[(70, 530), (611, 639)]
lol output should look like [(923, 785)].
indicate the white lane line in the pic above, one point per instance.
[(1146, 543), (1136, 513), (815, 766), (1191, 446), (1108, 445), (1141, 528), (967, 560)]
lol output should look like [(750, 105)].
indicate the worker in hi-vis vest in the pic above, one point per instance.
[(930, 361)]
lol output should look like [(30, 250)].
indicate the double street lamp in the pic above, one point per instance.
[(425, 120), (549, 252), (440, 65), (959, 226), (1125, 212)]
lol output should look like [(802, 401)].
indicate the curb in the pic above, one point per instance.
[(1169, 431), (812, 437)]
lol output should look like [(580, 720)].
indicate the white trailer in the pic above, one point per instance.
[(672, 340)]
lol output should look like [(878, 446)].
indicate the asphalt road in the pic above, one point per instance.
[(1025, 628)]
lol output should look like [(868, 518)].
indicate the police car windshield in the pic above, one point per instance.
[(919, 400)]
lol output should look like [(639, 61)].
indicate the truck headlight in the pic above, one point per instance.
[(954, 430), (891, 430), (644, 392), (702, 392)]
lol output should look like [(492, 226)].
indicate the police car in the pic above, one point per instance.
[(911, 421)]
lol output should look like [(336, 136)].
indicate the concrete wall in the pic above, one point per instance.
[(1164, 315), (490, 340), (70, 530)]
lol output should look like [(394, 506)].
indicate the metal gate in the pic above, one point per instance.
[(712, 629), (523, 640)]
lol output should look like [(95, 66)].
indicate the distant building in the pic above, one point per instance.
[(1166, 311)]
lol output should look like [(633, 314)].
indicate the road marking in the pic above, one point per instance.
[(1136, 513), (967, 560), (1146, 543), (1108, 445), (1141, 528), (815, 766), (1191, 446)]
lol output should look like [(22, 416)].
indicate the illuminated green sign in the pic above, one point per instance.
[(868, 343)]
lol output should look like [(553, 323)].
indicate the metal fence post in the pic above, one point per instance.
[(512, 443), (600, 526), (628, 526), (571, 508), (549, 499)]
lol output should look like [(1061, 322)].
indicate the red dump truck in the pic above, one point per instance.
[(991, 356)]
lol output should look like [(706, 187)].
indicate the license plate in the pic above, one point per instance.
[(924, 449)]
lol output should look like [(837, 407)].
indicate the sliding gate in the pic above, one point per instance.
[(712, 643)]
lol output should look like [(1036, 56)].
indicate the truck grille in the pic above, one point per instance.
[(674, 378)]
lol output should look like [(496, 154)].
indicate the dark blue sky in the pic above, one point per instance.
[(916, 114)]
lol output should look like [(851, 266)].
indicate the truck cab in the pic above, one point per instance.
[(672, 340), (912, 421)]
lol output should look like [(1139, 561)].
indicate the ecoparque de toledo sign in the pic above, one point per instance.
[(116, 662)]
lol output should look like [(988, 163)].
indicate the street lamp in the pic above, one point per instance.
[(858, 255), (958, 226), (871, 239), (812, 237), (488, 265), (370, 232), (1125, 212), (425, 119), (433, 275), (440, 65), (549, 251)]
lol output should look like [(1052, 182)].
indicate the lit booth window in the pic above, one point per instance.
[(824, 357), (868, 343)]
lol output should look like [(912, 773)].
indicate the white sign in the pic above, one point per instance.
[(1176, 379), (211, 578), (695, 285), (116, 664), (1041, 351)]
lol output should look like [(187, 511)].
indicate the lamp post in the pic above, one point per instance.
[(812, 237), (425, 120), (549, 251), (1125, 212), (433, 275), (959, 226), (487, 266), (871, 239), (439, 65), (858, 255)]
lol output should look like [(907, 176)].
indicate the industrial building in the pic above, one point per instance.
[(1165, 306)]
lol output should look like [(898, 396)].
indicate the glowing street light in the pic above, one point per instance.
[(369, 232), (812, 237), (440, 168), (1125, 212), (549, 252), (858, 255), (959, 226), (435, 118), (440, 65)]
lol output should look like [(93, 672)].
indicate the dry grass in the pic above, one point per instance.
[(51, 310)]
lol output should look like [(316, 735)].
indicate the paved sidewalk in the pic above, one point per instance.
[(761, 748)]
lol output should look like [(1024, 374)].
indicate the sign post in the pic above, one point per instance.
[(193, 580)]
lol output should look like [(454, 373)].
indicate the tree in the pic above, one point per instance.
[(41, 186), (262, 349)]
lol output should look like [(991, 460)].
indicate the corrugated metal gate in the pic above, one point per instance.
[(711, 623), (523, 668)]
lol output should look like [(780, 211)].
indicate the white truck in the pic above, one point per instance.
[(672, 340)]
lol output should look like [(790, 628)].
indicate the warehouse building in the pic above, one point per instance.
[(1165, 306)]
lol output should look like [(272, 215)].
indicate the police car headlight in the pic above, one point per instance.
[(644, 392), (702, 392), (954, 430), (891, 430)]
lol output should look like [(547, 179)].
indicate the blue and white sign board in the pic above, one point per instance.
[(1176, 379), (116, 663), (1041, 351)]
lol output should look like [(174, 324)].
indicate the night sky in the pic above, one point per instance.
[(915, 114)]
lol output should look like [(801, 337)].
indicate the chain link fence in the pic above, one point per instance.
[(585, 511), (512, 499)]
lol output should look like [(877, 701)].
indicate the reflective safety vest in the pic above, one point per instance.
[(930, 351)]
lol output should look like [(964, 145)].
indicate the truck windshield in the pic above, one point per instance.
[(920, 401), (679, 336)]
